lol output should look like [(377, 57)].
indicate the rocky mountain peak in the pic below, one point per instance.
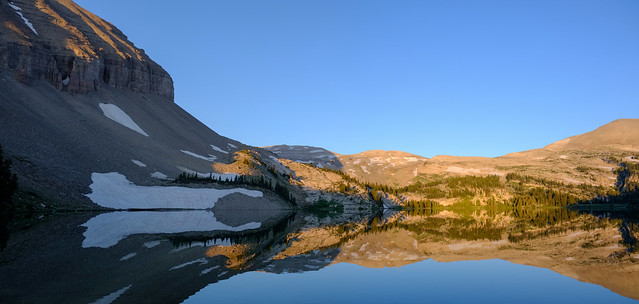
[(74, 50)]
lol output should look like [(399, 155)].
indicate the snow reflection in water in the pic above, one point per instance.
[(106, 230)]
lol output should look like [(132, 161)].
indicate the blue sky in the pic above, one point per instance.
[(470, 78)]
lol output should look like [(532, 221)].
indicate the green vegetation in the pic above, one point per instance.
[(543, 197), (583, 169), (512, 191), (629, 232), (8, 183), (525, 191), (626, 190), (324, 208), (477, 224)]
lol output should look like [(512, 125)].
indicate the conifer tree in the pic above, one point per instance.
[(8, 182)]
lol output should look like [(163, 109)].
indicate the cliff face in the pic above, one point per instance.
[(73, 50)]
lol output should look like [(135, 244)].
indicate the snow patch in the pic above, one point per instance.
[(231, 145), (219, 150), (209, 158), (151, 244), (205, 271), (357, 161), (139, 163), (201, 261), (277, 160), (316, 151), (24, 19), (113, 190), (116, 114), (108, 299), (107, 229), (128, 256), (159, 175), (563, 156), (365, 170)]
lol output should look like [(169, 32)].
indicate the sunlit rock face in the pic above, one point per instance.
[(73, 49)]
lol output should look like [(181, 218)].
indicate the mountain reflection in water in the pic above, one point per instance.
[(201, 257)]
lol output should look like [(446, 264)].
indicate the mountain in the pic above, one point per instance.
[(310, 155), (621, 134), (73, 50), (89, 121), (590, 159), (620, 137), (86, 116)]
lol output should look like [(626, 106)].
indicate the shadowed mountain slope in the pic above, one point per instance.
[(77, 98)]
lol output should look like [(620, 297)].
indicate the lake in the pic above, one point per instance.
[(414, 256)]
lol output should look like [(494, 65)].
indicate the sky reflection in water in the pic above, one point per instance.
[(487, 281)]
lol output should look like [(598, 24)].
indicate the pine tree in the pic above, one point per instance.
[(8, 182)]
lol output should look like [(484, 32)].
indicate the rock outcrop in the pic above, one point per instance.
[(73, 50)]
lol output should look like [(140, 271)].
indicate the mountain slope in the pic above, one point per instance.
[(621, 134), (78, 102)]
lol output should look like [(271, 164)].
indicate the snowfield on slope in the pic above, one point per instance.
[(210, 158), (107, 229), (116, 114), (24, 19), (113, 190), (138, 163), (216, 148)]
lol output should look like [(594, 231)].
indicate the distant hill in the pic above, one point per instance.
[(574, 160), (621, 134)]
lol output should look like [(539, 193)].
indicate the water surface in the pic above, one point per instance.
[(442, 256)]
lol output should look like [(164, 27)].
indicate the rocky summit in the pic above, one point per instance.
[(73, 50)]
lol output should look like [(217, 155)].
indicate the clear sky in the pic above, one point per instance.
[(481, 78)]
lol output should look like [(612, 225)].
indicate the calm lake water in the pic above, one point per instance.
[(420, 256)]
